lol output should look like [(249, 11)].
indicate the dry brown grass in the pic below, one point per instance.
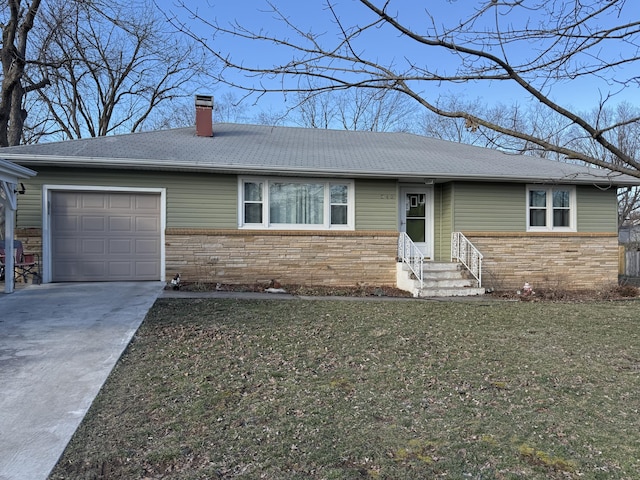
[(379, 390)]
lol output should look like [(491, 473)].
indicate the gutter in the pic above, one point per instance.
[(614, 179)]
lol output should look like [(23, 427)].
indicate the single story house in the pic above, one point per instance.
[(228, 203)]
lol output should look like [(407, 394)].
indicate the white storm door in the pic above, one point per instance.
[(416, 217)]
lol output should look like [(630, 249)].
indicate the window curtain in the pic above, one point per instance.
[(296, 203)]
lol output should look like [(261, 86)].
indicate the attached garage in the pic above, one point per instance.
[(105, 235)]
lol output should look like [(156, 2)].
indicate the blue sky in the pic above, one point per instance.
[(385, 46)]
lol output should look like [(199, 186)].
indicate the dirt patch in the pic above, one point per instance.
[(620, 292), (300, 290)]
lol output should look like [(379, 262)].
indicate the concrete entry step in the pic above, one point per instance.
[(448, 292), (441, 279)]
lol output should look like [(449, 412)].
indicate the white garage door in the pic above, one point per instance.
[(105, 236)]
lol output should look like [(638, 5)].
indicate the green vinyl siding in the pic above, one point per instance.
[(597, 209), (443, 206), (193, 200), (489, 207), (29, 212), (501, 207), (376, 205)]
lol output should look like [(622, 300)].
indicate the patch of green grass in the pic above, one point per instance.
[(366, 389)]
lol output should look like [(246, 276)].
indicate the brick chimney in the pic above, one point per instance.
[(204, 114)]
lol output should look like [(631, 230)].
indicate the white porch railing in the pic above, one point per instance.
[(411, 255), (464, 251)]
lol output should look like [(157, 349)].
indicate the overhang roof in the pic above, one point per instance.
[(11, 172), (259, 149)]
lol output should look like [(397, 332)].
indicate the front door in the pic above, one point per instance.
[(416, 217)]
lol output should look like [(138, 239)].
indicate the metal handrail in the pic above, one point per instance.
[(411, 255), (464, 251)]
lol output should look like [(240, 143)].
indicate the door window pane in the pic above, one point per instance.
[(416, 204), (415, 229)]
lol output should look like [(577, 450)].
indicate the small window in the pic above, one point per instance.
[(339, 204), (252, 202), (537, 208), (561, 209), (550, 208), (285, 203)]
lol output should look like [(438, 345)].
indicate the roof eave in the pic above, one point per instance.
[(14, 170), (612, 179)]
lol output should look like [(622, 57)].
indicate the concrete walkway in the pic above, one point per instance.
[(58, 344)]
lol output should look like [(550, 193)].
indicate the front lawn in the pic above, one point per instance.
[(369, 389)]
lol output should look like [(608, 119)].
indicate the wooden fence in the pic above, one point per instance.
[(629, 260)]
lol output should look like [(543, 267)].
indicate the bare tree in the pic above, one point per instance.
[(627, 137), (317, 111), (228, 108), (18, 20), (120, 69), (534, 45), (554, 129), (461, 131), (91, 67), (357, 109), (534, 119)]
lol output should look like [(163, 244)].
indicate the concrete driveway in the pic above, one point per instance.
[(58, 344)]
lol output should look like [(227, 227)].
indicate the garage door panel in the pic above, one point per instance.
[(80, 270), (124, 202), (93, 202), (119, 269), (145, 269), (147, 224), (91, 247), (120, 246), (147, 202), (147, 247), (65, 270), (68, 200), (92, 224), (65, 247), (105, 236), (67, 224), (120, 224)]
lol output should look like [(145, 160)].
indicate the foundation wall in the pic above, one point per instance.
[(567, 261), (309, 258)]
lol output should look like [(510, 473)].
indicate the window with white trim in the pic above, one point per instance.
[(286, 203), (551, 208)]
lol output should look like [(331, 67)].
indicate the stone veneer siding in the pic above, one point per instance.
[(549, 261), (31, 239), (290, 257)]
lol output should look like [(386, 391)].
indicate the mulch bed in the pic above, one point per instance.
[(621, 292)]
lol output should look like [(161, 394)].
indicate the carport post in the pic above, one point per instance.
[(9, 218), (9, 175)]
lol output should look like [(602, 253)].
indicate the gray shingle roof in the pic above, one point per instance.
[(251, 149)]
